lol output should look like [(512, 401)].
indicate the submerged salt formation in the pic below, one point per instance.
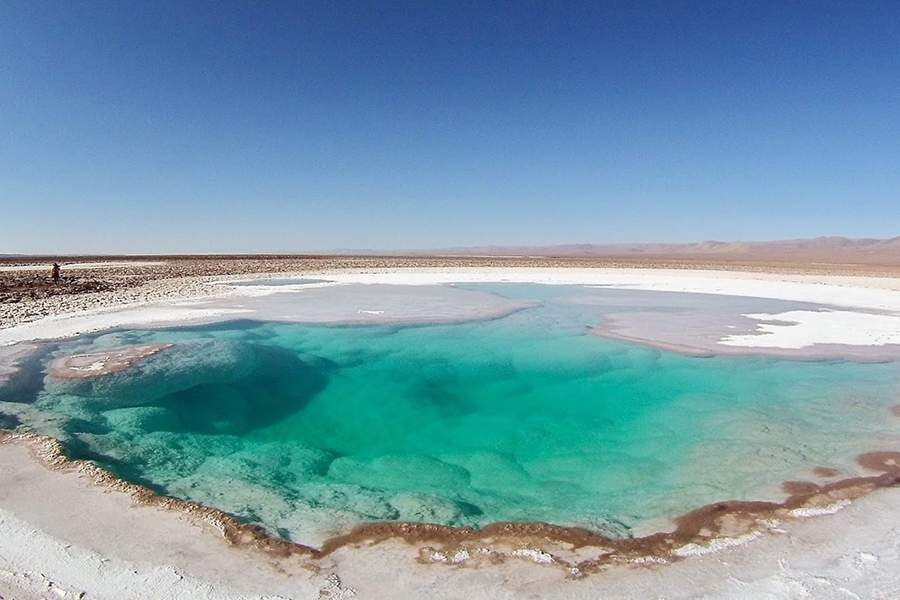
[(97, 364)]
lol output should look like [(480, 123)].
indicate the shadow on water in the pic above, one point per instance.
[(26, 383), (280, 384), (203, 386), (78, 449), (9, 421)]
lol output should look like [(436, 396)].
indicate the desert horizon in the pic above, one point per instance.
[(830, 248)]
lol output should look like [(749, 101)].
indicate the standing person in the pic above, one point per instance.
[(55, 273)]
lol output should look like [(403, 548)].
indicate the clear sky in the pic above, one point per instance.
[(257, 126)]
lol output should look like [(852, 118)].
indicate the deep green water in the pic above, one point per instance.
[(309, 430)]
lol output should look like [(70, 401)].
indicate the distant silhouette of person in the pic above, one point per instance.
[(55, 272)]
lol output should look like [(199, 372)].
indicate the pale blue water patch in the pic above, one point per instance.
[(309, 430)]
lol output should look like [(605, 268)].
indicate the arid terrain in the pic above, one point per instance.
[(826, 249), (24, 278)]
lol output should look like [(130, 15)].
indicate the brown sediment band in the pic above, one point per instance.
[(793, 488), (881, 461), (896, 409), (826, 472), (698, 527)]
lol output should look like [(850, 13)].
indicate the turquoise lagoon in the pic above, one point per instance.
[(309, 430)]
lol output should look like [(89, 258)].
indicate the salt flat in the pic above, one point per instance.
[(120, 550)]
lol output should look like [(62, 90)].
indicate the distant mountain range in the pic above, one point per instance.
[(834, 249), (827, 249)]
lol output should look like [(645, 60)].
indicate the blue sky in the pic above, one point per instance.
[(208, 127)]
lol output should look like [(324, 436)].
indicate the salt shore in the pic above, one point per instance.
[(50, 546), (860, 311)]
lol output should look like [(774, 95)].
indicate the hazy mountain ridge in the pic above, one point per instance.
[(825, 248), (828, 249)]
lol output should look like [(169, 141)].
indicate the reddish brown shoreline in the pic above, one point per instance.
[(826, 472), (717, 520), (720, 519)]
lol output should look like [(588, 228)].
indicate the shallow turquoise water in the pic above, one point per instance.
[(309, 429)]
